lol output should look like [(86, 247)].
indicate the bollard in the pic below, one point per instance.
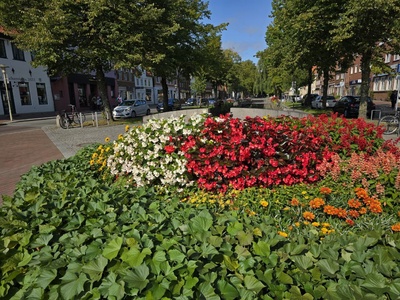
[(58, 121), (108, 118), (96, 118), (81, 119), (93, 119)]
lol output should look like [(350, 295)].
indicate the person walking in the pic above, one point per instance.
[(393, 99)]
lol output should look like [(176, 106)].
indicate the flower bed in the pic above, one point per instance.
[(213, 208)]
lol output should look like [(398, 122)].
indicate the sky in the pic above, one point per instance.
[(248, 21)]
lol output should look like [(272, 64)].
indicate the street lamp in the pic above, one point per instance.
[(3, 70)]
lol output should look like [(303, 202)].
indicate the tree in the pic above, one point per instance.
[(369, 29), (198, 85), (80, 36)]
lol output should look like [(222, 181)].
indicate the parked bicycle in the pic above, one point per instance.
[(390, 123), (68, 119)]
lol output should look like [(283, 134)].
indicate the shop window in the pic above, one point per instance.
[(41, 92), (3, 53), (18, 54), (24, 93)]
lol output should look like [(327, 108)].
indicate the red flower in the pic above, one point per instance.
[(169, 149)]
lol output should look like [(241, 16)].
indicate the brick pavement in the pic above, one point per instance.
[(20, 151)]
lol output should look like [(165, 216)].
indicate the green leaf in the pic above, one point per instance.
[(328, 266), (95, 268), (202, 222), (73, 285), (303, 262), (376, 283), (285, 278), (137, 277), (176, 255), (231, 264), (112, 248), (134, 257), (262, 249), (253, 284), (45, 277), (244, 238), (207, 291), (227, 290)]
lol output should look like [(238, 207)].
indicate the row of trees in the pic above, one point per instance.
[(163, 36), (326, 35), (166, 37)]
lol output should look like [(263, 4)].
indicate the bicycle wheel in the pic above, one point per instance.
[(63, 121), (77, 119), (390, 123)]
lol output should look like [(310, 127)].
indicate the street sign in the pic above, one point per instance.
[(398, 68)]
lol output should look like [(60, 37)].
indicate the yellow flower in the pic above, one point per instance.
[(120, 137), (315, 224), (284, 234), (126, 128), (306, 222), (94, 155), (264, 203), (297, 224), (326, 225), (304, 192), (91, 162), (107, 139), (286, 208)]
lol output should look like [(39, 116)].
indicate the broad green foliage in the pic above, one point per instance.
[(69, 232)]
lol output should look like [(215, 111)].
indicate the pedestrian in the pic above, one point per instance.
[(99, 103), (119, 100), (393, 99), (93, 103)]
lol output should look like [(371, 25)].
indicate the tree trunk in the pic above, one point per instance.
[(325, 89), (165, 93), (365, 75), (307, 102), (102, 86)]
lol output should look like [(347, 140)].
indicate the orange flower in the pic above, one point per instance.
[(363, 210), (325, 190), (350, 222), (354, 203), (316, 203), (294, 202), (375, 207), (354, 214), (361, 193), (396, 227), (341, 213), (330, 210), (308, 216)]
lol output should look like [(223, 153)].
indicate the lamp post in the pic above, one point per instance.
[(3, 70)]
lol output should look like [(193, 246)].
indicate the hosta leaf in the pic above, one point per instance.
[(45, 277), (262, 249), (47, 228), (208, 249), (112, 248), (234, 228), (227, 290), (253, 284), (73, 286), (42, 240), (111, 288), (95, 267)]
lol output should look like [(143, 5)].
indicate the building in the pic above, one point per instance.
[(28, 88)]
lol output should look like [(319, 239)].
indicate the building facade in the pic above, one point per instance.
[(23, 89)]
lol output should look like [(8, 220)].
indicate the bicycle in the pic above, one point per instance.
[(67, 119), (391, 123)]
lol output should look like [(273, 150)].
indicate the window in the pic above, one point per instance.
[(355, 68), (17, 53), (24, 93), (388, 57), (351, 70), (396, 57), (3, 53), (41, 92)]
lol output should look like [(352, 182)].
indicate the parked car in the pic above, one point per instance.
[(211, 102), (191, 102), (370, 105), (348, 106), (131, 108), (173, 104), (307, 99), (330, 102), (315, 102)]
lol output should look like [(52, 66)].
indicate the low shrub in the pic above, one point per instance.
[(89, 227)]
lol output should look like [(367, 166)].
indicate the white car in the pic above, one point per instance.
[(315, 103), (131, 109), (330, 102)]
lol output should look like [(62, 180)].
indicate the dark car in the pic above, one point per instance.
[(370, 106), (173, 104), (348, 106), (190, 102)]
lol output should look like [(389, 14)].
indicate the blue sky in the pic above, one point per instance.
[(248, 21)]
